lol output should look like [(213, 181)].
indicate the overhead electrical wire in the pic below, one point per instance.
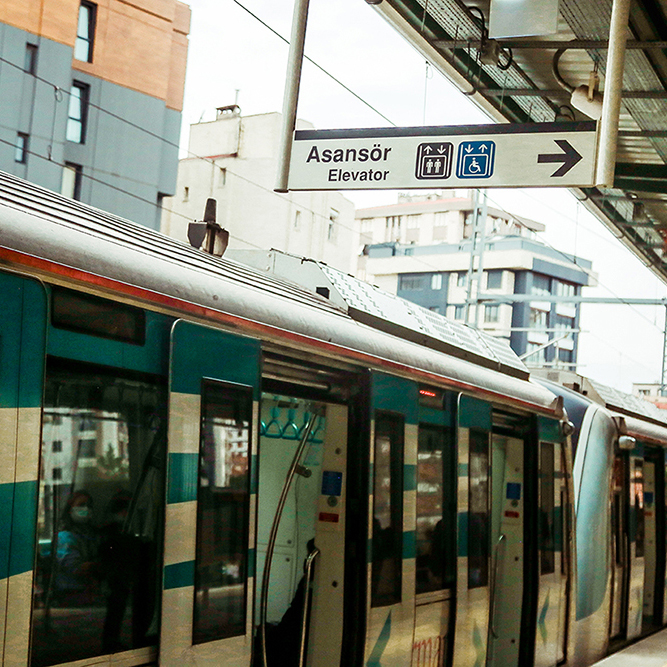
[(231, 172)]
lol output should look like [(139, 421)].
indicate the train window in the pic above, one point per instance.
[(436, 513), (85, 313), (98, 570), (387, 509), (223, 507), (478, 509), (547, 509)]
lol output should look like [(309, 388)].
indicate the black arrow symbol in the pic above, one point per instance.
[(569, 157)]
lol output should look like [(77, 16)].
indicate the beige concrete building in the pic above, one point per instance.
[(233, 159)]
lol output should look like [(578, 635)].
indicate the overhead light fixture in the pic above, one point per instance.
[(586, 98)]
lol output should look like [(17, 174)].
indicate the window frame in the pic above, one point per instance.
[(395, 423), (241, 398), (90, 25), (77, 124), (77, 171), (21, 148)]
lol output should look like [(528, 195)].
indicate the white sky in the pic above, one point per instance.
[(231, 51)]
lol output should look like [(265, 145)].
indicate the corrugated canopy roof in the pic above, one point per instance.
[(522, 85)]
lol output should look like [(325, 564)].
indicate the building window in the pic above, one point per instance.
[(297, 220), (537, 356), (413, 222), (565, 356), (21, 148), (78, 112), (491, 313), (57, 446), (367, 224), (462, 279), (85, 32), (411, 283), (333, 219), (494, 279), (436, 281), (565, 289), (222, 177), (186, 193), (563, 323), (71, 185), (57, 474), (538, 319), (393, 228), (30, 63), (541, 285), (459, 312)]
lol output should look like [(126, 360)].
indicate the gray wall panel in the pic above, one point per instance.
[(125, 164)]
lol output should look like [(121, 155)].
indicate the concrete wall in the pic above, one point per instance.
[(240, 172)]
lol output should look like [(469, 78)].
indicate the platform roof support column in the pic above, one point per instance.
[(292, 83), (613, 86)]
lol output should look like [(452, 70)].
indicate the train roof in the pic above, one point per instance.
[(66, 241), (642, 419)]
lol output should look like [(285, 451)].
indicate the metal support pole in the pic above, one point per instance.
[(663, 380), (476, 268), (613, 86), (291, 98)]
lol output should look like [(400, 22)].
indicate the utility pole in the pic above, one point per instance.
[(476, 267)]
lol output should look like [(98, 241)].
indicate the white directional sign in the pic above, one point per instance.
[(480, 156)]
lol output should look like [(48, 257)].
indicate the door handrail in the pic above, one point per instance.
[(496, 560), (310, 560), (264, 597)]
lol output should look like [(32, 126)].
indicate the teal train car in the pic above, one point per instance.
[(619, 448), (205, 465)]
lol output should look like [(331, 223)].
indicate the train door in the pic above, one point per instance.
[(22, 352), (620, 548), (662, 584), (394, 436), (637, 544), (508, 540), (654, 541), (208, 577), (301, 528), (553, 605), (474, 532), (435, 580)]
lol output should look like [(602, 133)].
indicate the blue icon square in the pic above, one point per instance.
[(513, 491), (475, 159)]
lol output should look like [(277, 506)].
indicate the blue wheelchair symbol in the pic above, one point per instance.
[(475, 159)]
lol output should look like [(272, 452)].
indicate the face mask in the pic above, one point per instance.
[(80, 514)]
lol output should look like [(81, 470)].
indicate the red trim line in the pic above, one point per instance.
[(15, 257)]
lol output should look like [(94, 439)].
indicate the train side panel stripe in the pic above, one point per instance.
[(409, 544), (17, 527), (179, 575), (474, 413), (182, 478), (409, 477), (191, 364), (6, 501), (463, 534), (549, 429), (23, 529)]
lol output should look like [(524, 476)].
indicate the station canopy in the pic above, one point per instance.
[(487, 50)]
